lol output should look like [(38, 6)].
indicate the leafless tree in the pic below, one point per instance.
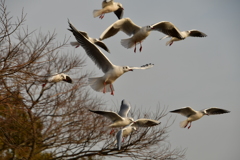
[(53, 122)]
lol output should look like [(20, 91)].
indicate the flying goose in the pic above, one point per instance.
[(107, 7), (119, 119), (193, 115), (138, 33), (185, 34)]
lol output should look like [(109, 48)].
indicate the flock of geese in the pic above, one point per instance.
[(112, 72)]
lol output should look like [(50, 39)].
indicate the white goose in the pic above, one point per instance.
[(112, 72), (193, 115), (138, 33), (107, 7)]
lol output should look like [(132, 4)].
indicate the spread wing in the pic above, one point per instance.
[(124, 109), (196, 33), (92, 50), (113, 116), (145, 123), (126, 25), (119, 13), (167, 28), (102, 45), (84, 34), (185, 111), (146, 66), (214, 111)]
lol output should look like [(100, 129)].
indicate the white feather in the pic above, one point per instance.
[(168, 42), (127, 43), (97, 84), (183, 124), (97, 13)]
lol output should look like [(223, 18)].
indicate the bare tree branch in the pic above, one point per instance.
[(53, 122)]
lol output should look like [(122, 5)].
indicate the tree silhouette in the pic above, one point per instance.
[(53, 122)]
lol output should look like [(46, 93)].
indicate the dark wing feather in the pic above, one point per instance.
[(213, 111), (102, 45), (196, 33), (68, 79), (84, 34), (119, 13), (92, 50), (167, 28)]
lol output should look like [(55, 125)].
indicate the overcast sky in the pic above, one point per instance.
[(196, 72)]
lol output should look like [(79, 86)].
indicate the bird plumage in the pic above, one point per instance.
[(112, 72), (185, 34), (93, 40), (107, 7), (193, 115), (138, 33), (119, 119)]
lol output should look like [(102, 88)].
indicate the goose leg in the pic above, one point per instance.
[(111, 89), (135, 48), (101, 16), (104, 89), (189, 125), (112, 131), (140, 49)]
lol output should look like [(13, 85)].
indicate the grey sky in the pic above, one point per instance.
[(196, 72)]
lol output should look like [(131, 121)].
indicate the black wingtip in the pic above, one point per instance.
[(146, 65), (90, 110)]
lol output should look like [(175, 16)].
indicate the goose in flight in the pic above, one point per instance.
[(185, 34), (138, 33), (107, 7), (193, 115), (119, 119), (112, 72), (57, 77)]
